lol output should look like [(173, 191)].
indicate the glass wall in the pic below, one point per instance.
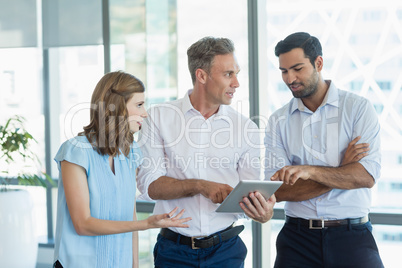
[(21, 89), (53, 52), (54, 55), (362, 51), (224, 18), (171, 28), (144, 43)]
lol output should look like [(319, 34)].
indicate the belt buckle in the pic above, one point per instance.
[(316, 227), (193, 241)]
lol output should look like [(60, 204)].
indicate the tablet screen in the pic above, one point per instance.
[(242, 189)]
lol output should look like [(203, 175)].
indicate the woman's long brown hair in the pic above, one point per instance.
[(109, 130)]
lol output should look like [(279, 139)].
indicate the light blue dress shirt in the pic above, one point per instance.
[(297, 136), (112, 197)]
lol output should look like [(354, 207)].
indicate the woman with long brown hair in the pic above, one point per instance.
[(97, 186)]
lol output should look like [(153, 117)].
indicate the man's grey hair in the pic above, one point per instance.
[(201, 54)]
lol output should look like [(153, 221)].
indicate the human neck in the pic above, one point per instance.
[(314, 101), (200, 102)]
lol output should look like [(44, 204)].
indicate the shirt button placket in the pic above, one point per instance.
[(202, 171)]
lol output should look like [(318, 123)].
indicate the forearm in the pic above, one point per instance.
[(300, 191), (135, 243), (166, 188), (93, 226), (135, 250), (350, 176)]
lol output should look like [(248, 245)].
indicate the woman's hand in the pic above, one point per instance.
[(168, 220)]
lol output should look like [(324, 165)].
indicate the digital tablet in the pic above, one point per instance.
[(244, 188)]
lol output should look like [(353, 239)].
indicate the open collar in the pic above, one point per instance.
[(331, 98), (187, 106)]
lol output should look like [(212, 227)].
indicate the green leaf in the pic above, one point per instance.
[(50, 180), (15, 141)]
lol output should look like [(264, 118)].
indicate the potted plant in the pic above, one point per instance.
[(18, 247)]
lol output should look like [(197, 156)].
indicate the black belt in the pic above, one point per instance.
[(321, 223), (203, 242)]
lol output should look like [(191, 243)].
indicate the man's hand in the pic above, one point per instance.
[(256, 207), (355, 152), (290, 174), (216, 192)]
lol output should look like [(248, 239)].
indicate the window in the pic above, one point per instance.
[(361, 61), (384, 85), (49, 68), (355, 86), (150, 40), (396, 186), (378, 108), (372, 15), (20, 90)]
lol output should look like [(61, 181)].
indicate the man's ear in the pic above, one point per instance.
[(201, 76), (319, 63)]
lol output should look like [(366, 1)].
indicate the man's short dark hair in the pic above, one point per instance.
[(310, 45)]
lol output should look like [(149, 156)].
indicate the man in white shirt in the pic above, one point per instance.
[(328, 198), (196, 149)]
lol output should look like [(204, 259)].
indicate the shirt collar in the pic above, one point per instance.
[(187, 106), (186, 103), (331, 98)]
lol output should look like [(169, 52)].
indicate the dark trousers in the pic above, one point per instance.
[(57, 264), (345, 246), (169, 254)]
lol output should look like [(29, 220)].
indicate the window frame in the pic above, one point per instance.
[(256, 51)]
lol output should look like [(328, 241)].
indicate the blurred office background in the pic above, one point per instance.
[(52, 53)]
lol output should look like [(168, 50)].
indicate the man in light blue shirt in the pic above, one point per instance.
[(328, 197)]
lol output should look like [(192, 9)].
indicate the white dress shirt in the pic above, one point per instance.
[(178, 142), (297, 136)]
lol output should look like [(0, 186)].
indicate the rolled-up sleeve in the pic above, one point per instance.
[(275, 156), (154, 163), (367, 126), (249, 165)]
